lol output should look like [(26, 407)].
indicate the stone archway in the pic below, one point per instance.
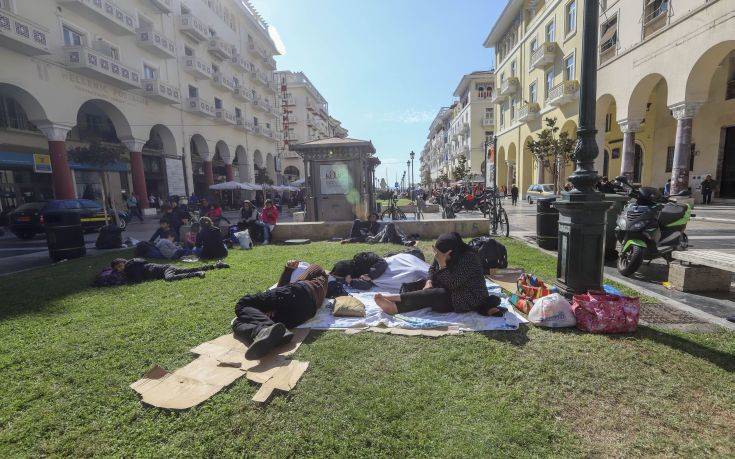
[(159, 159), (244, 164), (513, 178), (291, 173)]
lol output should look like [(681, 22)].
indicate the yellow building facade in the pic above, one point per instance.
[(537, 47)]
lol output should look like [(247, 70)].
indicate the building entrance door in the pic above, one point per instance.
[(727, 183)]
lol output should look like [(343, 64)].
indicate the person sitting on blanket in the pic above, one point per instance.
[(456, 284), (136, 270), (262, 319), (361, 230), (209, 243)]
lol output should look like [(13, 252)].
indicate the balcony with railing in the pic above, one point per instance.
[(220, 48), (160, 91), (270, 62), (165, 6), (509, 86), (267, 132), (241, 63), (488, 121), (201, 107), (563, 93), (222, 81), (22, 35), (156, 43), (198, 68), (119, 21), (224, 116), (655, 16), (498, 98), (98, 65), (257, 129), (243, 94), (528, 111), (544, 55), (193, 27)]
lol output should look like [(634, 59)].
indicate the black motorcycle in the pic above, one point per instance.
[(650, 226)]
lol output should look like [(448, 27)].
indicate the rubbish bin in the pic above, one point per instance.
[(64, 235), (547, 224), (618, 202)]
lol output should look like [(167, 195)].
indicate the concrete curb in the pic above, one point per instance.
[(707, 317), (713, 220)]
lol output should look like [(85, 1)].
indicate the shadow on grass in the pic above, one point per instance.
[(514, 337)]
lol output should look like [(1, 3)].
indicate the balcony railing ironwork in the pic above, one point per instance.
[(22, 35), (98, 65)]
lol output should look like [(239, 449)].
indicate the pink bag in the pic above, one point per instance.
[(598, 312)]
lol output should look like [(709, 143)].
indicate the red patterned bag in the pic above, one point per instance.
[(598, 312)]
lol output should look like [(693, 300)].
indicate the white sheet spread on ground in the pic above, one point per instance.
[(404, 268)]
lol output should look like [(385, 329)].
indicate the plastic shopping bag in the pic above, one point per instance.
[(598, 312), (243, 238), (552, 311)]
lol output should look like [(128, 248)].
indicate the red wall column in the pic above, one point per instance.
[(228, 172), (139, 188), (208, 173), (60, 172)]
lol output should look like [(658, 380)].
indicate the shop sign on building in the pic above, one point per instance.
[(41, 163)]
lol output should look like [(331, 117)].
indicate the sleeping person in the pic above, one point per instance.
[(368, 271)]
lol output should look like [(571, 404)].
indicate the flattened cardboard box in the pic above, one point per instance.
[(220, 363), (506, 278)]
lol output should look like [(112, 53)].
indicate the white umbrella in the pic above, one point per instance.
[(227, 186), (298, 182)]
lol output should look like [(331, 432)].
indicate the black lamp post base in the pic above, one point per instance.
[(579, 266)]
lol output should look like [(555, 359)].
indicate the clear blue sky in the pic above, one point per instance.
[(384, 66)]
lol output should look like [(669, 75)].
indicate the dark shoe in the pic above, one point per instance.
[(200, 274), (731, 318), (267, 339), (287, 337), (221, 265)]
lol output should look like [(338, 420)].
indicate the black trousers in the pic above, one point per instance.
[(707, 197), (435, 298), (389, 234), (358, 232), (172, 273), (290, 305)]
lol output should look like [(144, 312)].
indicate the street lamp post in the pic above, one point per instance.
[(413, 180), (579, 266), (408, 180)]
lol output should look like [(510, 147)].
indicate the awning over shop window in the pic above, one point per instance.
[(11, 158)]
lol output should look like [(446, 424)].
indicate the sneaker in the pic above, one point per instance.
[(287, 337), (221, 265), (200, 274), (265, 242), (267, 339)]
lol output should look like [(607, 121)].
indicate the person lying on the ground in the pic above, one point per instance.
[(136, 270), (361, 230), (209, 245), (262, 319), (390, 234), (169, 249), (368, 270), (456, 284), (164, 226)]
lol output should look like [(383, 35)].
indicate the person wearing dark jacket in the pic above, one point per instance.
[(136, 270), (361, 230), (209, 243), (456, 283), (361, 270), (390, 234), (262, 319)]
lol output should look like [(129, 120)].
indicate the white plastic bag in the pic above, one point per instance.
[(552, 311), (243, 237)]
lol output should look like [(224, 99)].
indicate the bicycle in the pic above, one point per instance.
[(499, 222), (392, 211)]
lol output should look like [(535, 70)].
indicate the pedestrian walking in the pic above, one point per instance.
[(708, 186), (133, 208), (514, 195)]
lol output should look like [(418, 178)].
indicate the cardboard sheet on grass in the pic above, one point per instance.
[(220, 363)]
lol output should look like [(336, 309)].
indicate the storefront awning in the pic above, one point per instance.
[(12, 158)]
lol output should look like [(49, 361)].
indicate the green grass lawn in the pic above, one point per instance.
[(69, 352)]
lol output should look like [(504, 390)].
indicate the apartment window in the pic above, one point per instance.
[(608, 122), (513, 68), (569, 68), (571, 17), (193, 91), (236, 82), (655, 13), (534, 45), (72, 37), (267, 125), (255, 120), (609, 37), (488, 113), (149, 73), (217, 103), (551, 32), (532, 93), (215, 69), (238, 113), (6, 5), (549, 83), (513, 103)]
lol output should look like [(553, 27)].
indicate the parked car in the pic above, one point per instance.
[(27, 220), (539, 191)]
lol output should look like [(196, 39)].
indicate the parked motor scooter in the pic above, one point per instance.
[(650, 226)]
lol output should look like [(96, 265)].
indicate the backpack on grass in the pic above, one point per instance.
[(492, 253)]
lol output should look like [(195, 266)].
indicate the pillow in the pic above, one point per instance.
[(348, 306)]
